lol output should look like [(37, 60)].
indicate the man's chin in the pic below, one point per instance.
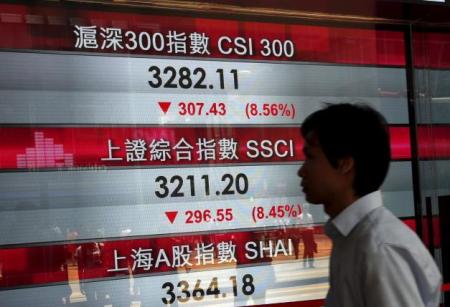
[(310, 199)]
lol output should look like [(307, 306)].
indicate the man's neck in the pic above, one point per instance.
[(338, 205)]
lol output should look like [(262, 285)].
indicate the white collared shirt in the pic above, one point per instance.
[(378, 261)]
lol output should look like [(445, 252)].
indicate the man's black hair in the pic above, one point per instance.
[(357, 131)]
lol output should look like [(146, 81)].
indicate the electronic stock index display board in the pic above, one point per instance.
[(152, 160)]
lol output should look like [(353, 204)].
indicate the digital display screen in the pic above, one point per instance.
[(153, 160)]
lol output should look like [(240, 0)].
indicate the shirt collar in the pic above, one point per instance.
[(345, 221)]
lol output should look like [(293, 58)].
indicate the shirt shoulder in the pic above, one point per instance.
[(380, 228), (386, 241)]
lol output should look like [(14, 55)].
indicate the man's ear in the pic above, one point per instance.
[(346, 165)]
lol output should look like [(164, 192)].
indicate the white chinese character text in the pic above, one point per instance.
[(227, 149), (116, 263), (112, 38), (110, 152), (176, 42), (160, 150), (205, 253), (206, 149), (199, 43), (86, 37), (183, 150), (142, 259), (226, 252), (135, 150), (181, 255)]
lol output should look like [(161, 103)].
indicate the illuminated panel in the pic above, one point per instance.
[(153, 159), (38, 148), (211, 92), (72, 29), (227, 287), (129, 201)]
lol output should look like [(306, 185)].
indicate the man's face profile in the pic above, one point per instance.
[(319, 178)]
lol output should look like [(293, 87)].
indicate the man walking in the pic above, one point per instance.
[(376, 259)]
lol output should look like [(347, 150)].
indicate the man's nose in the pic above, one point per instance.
[(300, 172)]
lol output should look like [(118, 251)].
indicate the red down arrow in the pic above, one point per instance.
[(171, 215), (164, 105)]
